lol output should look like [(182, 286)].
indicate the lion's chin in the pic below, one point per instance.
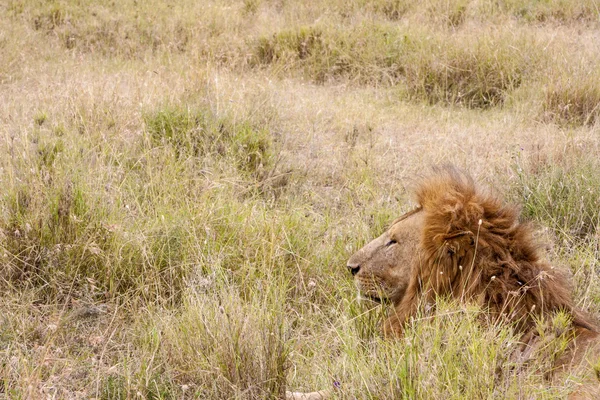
[(368, 298)]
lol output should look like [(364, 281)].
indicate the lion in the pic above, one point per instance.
[(464, 243)]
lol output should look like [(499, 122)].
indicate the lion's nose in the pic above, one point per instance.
[(353, 268)]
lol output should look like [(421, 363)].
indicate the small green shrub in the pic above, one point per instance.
[(61, 240), (113, 29), (477, 73), (392, 9), (451, 13), (40, 118), (179, 128), (200, 134), (251, 6), (47, 153), (289, 45), (252, 148), (114, 387)]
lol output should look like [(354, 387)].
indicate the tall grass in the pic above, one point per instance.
[(572, 98), (562, 194), (182, 185), (61, 227), (561, 191), (227, 346), (439, 68)]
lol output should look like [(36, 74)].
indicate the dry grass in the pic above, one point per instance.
[(182, 185), (477, 71)]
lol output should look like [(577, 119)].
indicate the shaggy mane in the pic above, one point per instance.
[(474, 248)]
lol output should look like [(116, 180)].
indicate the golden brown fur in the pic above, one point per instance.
[(382, 268), (474, 248)]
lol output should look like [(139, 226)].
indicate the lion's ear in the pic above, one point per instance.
[(457, 240), (454, 237), (458, 234)]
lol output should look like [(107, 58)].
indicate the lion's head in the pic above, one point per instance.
[(382, 268)]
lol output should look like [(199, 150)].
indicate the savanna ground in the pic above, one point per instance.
[(183, 182)]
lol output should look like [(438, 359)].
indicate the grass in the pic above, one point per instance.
[(182, 185), (572, 99), (201, 135), (477, 72), (562, 193)]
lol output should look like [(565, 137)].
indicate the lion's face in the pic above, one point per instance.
[(382, 268)]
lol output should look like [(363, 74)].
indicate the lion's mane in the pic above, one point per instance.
[(474, 248)]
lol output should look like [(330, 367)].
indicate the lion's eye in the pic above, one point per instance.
[(391, 242)]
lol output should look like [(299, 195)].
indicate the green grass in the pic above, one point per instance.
[(563, 194), (438, 68), (182, 185), (202, 135)]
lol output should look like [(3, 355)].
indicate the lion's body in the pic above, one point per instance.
[(466, 244)]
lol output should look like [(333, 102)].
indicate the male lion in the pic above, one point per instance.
[(465, 243)]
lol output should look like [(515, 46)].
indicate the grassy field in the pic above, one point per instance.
[(183, 182)]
